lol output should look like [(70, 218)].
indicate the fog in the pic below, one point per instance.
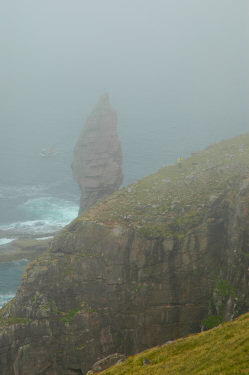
[(176, 72)]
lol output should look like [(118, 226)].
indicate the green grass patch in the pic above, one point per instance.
[(222, 350), (68, 317)]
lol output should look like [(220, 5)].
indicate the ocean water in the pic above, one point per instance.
[(10, 275), (35, 213), (42, 215), (4, 241)]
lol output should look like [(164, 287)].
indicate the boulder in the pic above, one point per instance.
[(107, 362)]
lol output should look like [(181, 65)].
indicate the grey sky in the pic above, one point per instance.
[(182, 61)]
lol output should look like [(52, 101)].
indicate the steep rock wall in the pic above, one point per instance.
[(101, 290), (97, 164)]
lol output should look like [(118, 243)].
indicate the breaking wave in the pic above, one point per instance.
[(4, 298), (4, 241), (44, 215)]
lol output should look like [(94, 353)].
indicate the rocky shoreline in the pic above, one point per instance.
[(28, 248)]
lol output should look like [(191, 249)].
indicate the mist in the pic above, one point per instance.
[(176, 72)]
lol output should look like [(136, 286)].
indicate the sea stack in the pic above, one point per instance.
[(97, 163)]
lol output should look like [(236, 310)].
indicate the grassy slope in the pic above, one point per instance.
[(222, 350), (171, 201)]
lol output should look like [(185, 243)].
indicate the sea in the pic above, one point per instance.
[(34, 211), (38, 196)]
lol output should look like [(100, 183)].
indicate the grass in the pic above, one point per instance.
[(222, 350), (172, 201)]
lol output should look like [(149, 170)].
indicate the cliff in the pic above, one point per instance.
[(154, 261), (223, 350), (97, 164)]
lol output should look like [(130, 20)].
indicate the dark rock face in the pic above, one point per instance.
[(97, 164), (106, 289), (109, 287)]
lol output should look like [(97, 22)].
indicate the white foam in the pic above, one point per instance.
[(20, 262), (3, 241), (4, 298), (47, 215), (44, 238)]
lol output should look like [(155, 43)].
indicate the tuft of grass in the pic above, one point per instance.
[(212, 321), (222, 350), (68, 317)]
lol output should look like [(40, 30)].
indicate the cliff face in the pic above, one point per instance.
[(146, 265), (97, 164)]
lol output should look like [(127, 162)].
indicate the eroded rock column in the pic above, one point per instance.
[(97, 164)]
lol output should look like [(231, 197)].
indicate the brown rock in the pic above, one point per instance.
[(97, 155), (107, 362)]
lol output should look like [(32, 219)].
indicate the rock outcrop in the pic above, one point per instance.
[(106, 362), (152, 262), (97, 164), (23, 249)]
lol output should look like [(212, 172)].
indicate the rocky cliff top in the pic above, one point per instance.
[(97, 164), (168, 202)]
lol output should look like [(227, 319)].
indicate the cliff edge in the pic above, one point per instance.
[(97, 163), (157, 260)]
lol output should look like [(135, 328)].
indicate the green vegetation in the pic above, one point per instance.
[(68, 271), (12, 320), (212, 321), (222, 350), (68, 317), (222, 291), (172, 201)]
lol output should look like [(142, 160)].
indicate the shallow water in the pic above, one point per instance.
[(42, 215), (10, 275)]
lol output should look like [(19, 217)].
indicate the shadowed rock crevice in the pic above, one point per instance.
[(97, 163)]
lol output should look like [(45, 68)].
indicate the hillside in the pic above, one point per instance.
[(222, 350), (156, 261), (175, 197)]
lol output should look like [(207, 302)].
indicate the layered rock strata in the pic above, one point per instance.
[(97, 164), (146, 265)]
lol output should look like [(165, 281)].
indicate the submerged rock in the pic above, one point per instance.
[(97, 164)]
